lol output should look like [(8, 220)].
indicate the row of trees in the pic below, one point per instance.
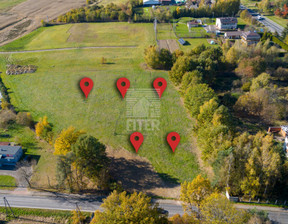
[(201, 203), (219, 9), (195, 72)]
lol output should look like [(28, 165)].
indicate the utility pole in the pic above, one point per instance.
[(7, 208), (155, 28)]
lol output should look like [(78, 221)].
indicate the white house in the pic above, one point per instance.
[(226, 23), (151, 2)]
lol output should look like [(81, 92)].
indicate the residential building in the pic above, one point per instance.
[(151, 2), (192, 24), (10, 155), (283, 132), (166, 2), (233, 35), (250, 38), (226, 23)]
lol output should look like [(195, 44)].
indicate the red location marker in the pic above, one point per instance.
[(173, 139), (86, 84), (136, 139), (160, 85), (123, 85)]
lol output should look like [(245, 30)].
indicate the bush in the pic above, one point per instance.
[(7, 117), (25, 119)]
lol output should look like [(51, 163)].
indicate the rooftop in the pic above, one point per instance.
[(228, 19), (9, 149)]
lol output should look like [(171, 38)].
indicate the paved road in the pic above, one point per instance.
[(92, 203), (65, 49), (271, 25)]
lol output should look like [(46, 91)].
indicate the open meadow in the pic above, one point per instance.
[(54, 90)]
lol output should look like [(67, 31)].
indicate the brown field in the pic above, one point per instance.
[(169, 44), (27, 16)]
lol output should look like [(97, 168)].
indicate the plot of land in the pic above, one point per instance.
[(54, 91), (170, 45), (81, 35), (25, 17), (5, 5)]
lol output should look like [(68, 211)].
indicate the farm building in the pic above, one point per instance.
[(250, 38), (10, 155), (151, 2), (233, 35), (226, 23), (192, 24)]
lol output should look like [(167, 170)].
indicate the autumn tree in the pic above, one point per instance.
[(158, 58), (216, 208), (182, 65), (193, 193), (260, 81), (189, 79), (196, 96), (24, 118), (91, 159), (44, 130), (65, 140), (133, 209)]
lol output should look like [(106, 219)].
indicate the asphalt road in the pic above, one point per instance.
[(90, 204), (271, 25)]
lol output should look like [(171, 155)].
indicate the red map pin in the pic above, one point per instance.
[(123, 85), (160, 85), (136, 139), (86, 84), (173, 139)]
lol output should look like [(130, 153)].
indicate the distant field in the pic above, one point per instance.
[(5, 5), (53, 90), (80, 35), (7, 182)]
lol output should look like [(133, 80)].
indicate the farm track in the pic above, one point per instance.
[(27, 16), (64, 49)]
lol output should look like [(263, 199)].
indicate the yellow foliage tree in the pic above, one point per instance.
[(44, 130), (39, 128), (193, 193), (65, 140), (133, 209), (217, 209), (78, 217)]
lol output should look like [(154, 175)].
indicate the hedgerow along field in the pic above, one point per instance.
[(54, 90)]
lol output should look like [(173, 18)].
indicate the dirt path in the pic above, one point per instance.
[(27, 16), (137, 174), (64, 49)]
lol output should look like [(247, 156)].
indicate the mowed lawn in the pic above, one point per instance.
[(54, 91), (7, 182), (81, 35)]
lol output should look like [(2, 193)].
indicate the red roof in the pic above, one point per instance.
[(5, 143)]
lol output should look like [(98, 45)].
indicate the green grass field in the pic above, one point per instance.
[(7, 182), (54, 91), (5, 5), (80, 35)]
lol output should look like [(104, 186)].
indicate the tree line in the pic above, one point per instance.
[(252, 165)]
